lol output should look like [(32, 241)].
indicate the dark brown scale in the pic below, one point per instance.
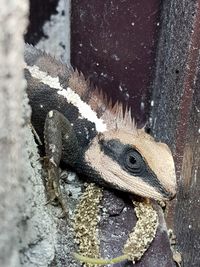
[(42, 99), (65, 135)]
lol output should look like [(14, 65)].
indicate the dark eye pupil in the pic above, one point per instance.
[(132, 160)]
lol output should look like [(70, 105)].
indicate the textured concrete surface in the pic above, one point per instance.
[(45, 239), (56, 39), (12, 16), (32, 234), (49, 240), (37, 229)]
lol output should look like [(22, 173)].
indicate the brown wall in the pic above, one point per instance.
[(176, 117), (114, 43)]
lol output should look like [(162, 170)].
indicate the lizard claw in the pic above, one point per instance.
[(54, 193)]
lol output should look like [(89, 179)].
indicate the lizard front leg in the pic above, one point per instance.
[(59, 138)]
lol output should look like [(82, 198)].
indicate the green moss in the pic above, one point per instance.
[(144, 231), (86, 220), (86, 231)]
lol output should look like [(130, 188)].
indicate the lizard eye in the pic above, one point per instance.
[(133, 162)]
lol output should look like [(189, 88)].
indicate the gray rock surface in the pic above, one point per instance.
[(12, 182), (45, 238), (57, 31)]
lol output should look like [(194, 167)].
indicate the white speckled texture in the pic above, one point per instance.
[(38, 228)]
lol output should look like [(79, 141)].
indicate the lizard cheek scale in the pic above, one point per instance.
[(121, 166)]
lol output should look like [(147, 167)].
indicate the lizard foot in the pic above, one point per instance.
[(54, 193)]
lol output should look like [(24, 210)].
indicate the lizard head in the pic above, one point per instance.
[(133, 162)]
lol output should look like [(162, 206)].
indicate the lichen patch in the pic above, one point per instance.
[(143, 233), (85, 222)]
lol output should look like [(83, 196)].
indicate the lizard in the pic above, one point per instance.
[(80, 127)]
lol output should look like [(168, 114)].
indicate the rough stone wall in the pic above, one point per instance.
[(13, 15), (31, 232)]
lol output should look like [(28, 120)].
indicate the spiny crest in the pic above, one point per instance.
[(116, 116), (46, 63), (78, 83), (97, 100)]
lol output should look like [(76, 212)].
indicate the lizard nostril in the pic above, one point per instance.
[(171, 196)]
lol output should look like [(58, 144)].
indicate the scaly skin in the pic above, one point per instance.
[(79, 127)]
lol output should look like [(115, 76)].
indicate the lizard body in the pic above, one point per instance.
[(79, 127)]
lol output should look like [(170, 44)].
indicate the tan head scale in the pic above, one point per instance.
[(120, 146), (131, 160)]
